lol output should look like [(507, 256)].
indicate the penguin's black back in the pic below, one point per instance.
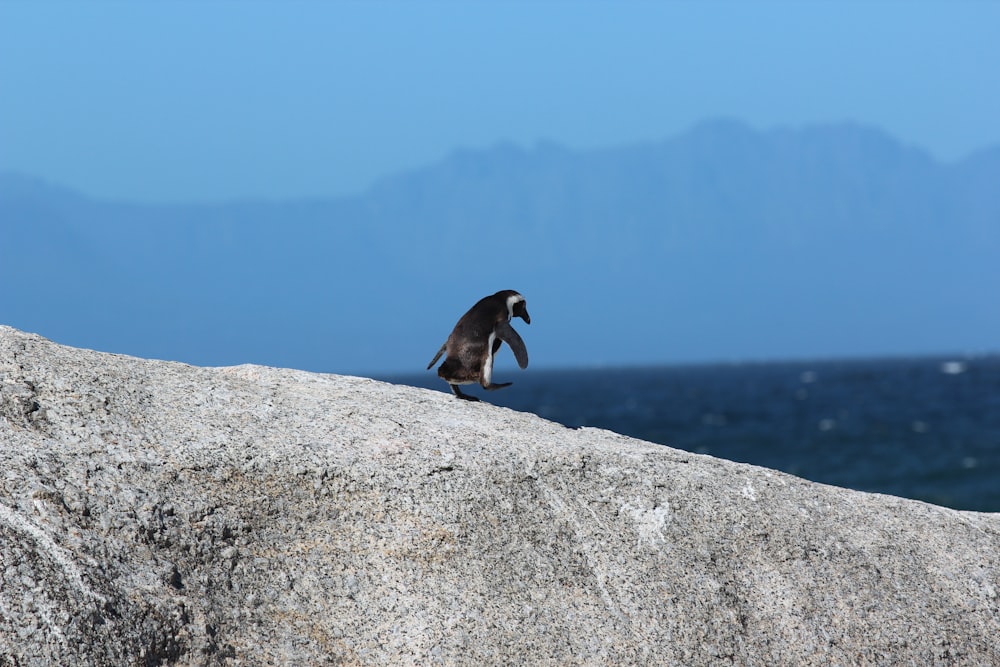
[(470, 339)]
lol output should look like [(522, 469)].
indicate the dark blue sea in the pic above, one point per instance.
[(926, 428)]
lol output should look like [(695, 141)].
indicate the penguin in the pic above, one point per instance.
[(474, 342)]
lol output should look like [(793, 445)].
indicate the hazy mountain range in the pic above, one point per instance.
[(720, 243)]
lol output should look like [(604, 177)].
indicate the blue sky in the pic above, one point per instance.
[(196, 101)]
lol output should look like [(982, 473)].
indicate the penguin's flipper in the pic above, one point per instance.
[(458, 392), (494, 387), (437, 356), (506, 333)]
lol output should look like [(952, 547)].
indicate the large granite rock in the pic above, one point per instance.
[(157, 513)]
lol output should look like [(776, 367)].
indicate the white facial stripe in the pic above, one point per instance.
[(511, 300)]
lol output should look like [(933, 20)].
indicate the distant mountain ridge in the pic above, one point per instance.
[(719, 243)]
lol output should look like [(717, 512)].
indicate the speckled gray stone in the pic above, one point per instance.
[(157, 513)]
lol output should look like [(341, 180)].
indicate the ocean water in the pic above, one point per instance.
[(925, 428)]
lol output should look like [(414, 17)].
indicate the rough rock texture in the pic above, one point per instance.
[(157, 513)]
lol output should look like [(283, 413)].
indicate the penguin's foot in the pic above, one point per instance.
[(494, 387), (460, 394)]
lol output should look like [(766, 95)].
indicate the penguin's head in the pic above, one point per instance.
[(518, 307)]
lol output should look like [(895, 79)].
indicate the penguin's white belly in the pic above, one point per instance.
[(487, 372)]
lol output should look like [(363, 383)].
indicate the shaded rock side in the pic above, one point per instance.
[(153, 513)]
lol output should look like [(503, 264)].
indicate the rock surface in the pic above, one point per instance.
[(156, 513)]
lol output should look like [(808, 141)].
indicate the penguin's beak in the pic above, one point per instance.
[(522, 312)]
